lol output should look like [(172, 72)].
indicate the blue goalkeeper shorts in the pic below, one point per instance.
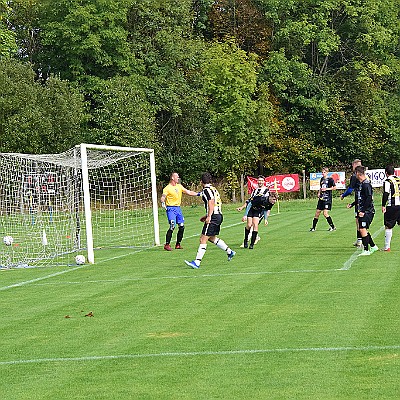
[(174, 213)]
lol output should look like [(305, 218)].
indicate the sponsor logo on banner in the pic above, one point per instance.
[(338, 177), (278, 183), (376, 176)]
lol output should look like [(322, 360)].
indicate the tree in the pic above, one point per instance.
[(7, 36), (121, 114), (242, 21), (80, 39), (240, 114), (37, 118)]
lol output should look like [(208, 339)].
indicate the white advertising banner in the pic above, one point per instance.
[(376, 176)]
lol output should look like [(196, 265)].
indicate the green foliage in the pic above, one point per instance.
[(121, 114), (239, 119), (229, 86), (37, 118), (87, 38), (7, 36)]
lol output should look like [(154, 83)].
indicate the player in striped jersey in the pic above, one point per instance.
[(212, 222), (390, 204), (258, 199)]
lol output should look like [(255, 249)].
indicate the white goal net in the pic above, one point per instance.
[(54, 206)]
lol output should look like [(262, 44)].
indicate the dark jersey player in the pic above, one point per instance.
[(324, 200), (258, 199), (366, 210), (350, 189), (390, 204), (212, 222)]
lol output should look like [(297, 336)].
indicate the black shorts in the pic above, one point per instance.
[(391, 216), (365, 221), (255, 213), (324, 205), (213, 228)]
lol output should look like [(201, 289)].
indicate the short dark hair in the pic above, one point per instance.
[(261, 177), (206, 178), (360, 169), (389, 169)]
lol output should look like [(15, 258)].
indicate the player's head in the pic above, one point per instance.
[(206, 178), (273, 197), (260, 180), (360, 171), (356, 163), (174, 177), (389, 170), (325, 171)]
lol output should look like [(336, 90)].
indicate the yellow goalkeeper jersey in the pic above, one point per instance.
[(173, 194)]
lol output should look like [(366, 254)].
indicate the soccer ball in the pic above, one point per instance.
[(80, 259), (8, 240)]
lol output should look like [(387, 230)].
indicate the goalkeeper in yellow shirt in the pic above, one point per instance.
[(171, 200)]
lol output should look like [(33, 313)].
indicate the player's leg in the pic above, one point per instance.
[(358, 242), (367, 240), (390, 217), (215, 226), (180, 220), (247, 230), (171, 221), (329, 218), (255, 232), (315, 220)]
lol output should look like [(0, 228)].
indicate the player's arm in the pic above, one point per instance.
[(246, 204), (190, 192), (162, 200), (348, 191), (266, 215), (385, 195), (351, 204), (210, 209)]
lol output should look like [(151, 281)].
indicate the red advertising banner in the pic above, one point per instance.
[(279, 183)]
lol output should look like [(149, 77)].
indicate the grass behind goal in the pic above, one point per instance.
[(298, 317)]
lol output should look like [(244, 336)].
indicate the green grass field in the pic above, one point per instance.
[(298, 317)]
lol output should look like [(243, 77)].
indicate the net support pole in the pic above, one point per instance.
[(154, 198), (86, 201)]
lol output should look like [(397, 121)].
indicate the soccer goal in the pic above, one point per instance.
[(53, 206)]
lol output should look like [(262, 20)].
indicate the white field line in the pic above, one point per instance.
[(141, 279), (348, 264), (39, 279), (204, 353)]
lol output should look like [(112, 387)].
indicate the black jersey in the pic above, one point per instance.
[(259, 197), (365, 199), (391, 191), (210, 192), (327, 194)]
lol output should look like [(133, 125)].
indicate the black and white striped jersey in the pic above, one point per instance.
[(391, 191), (210, 192)]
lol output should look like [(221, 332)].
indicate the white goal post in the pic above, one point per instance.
[(55, 206)]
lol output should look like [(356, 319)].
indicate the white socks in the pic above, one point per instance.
[(388, 238)]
